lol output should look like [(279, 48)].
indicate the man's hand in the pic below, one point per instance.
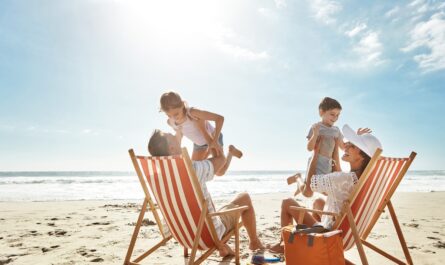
[(215, 146)]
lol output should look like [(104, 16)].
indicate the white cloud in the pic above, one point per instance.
[(242, 53), (416, 3), (367, 52), (370, 49), (356, 30), (392, 12), (280, 3), (431, 35), (225, 39), (324, 10), (265, 12)]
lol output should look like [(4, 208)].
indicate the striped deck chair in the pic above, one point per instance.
[(172, 182), (366, 203)]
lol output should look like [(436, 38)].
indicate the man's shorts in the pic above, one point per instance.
[(229, 220)]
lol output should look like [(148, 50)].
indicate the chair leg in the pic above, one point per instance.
[(237, 262), (198, 235), (357, 239), (399, 232), (136, 232)]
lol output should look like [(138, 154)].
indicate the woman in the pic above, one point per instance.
[(337, 185)]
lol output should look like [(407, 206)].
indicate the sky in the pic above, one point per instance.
[(80, 80)]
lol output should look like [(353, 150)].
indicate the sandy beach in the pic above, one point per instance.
[(82, 232)]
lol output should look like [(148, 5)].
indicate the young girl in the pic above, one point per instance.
[(194, 124)]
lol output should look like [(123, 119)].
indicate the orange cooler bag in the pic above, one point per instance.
[(312, 246)]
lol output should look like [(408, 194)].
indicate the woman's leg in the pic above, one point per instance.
[(318, 205), (287, 217)]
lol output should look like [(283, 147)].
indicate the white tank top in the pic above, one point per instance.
[(190, 129)]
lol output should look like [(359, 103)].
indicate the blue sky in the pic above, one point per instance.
[(80, 80)]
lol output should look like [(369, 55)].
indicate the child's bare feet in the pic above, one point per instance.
[(226, 251), (277, 248), (292, 179), (235, 152)]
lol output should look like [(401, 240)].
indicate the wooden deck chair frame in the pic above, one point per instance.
[(347, 214), (205, 218)]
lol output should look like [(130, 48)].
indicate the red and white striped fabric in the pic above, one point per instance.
[(172, 187), (371, 197)]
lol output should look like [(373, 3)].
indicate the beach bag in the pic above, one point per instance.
[(312, 245)]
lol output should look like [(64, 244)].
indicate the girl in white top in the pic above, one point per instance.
[(194, 124)]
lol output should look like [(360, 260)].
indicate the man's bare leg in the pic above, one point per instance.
[(249, 220)]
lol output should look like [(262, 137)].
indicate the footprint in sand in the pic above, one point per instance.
[(58, 232), (5, 261), (414, 225), (439, 244), (99, 223)]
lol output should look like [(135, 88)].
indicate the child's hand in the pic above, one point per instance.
[(361, 131), (316, 129)]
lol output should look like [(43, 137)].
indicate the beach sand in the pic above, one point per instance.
[(84, 232)]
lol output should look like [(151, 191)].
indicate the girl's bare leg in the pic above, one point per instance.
[(199, 155), (232, 152)]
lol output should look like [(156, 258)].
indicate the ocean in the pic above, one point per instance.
[(103, 185)]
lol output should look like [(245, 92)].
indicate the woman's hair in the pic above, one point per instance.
[(171, 100), (365, 162)]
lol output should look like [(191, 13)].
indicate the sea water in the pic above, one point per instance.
[(103, 185)]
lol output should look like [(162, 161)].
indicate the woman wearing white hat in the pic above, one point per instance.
[(337, 185)]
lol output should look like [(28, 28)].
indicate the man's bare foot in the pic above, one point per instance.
[(277, 248), (226, 251), (254, 245), (235, 152)]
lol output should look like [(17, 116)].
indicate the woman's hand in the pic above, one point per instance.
[(361, 131)]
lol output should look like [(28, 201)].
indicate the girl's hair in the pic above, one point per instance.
[(365, 163), (171, 100)]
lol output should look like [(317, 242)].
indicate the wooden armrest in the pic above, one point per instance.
[(229, 211), (295, 208)]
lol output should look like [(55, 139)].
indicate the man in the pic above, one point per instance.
[(164, 144)]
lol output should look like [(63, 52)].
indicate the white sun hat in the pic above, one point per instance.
[(367, 142)]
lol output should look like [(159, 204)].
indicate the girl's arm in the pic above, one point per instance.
[(307, 191), (209, 116)]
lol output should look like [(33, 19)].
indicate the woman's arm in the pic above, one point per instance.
[(336, 157)]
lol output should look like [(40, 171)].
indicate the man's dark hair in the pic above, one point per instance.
[(158, 145), (329, 103)]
